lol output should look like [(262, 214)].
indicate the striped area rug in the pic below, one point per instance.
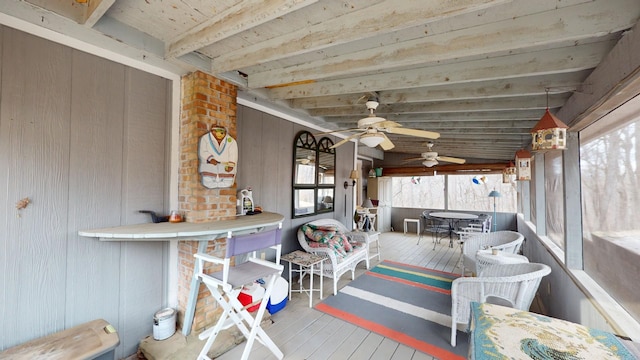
[(405, 303)]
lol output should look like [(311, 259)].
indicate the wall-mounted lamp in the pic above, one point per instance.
[(353, 177)]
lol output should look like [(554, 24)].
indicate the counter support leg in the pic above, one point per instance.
[(189, 312)]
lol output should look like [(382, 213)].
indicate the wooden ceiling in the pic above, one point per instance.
[(479, 72)]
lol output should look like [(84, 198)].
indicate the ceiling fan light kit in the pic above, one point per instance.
[(372, 140), (430, 163)]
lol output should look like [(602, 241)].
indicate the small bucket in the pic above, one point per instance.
[(379, 172), (164, 324)]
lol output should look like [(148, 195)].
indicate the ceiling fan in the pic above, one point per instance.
[(371, 130), (431, 158), (306, 160)]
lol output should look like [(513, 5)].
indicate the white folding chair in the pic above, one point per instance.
[(225, 286)]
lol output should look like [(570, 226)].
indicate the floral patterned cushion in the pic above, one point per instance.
[(327, 237)]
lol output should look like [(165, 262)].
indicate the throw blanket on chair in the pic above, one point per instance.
[(329, 237)]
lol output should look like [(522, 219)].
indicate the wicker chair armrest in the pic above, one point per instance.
[(358, 236), (468, 289)]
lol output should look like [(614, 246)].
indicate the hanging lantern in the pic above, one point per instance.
[(511, 169), (505, 177), (523, 165), (507, 172), (549, 133)]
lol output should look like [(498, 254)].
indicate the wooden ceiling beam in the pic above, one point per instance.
[(233, 20), (576, 58), (536, 102), (551, 29), (282, 45), (485, 168), (469, 116), (500, 124), (367, 22), (478, 153), (525, 86), (96, 10), (444, 126)]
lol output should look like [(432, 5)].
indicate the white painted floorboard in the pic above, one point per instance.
[(303, 333)]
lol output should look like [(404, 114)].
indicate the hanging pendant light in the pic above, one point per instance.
[(523, 165), (549, 133), (507, 172), (372, 140)]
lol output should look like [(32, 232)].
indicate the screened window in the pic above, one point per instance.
[(467, 194), (610, 190), (554, 196), (418, 192), (532, 196), (428, 192)]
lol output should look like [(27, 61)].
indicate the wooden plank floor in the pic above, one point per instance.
[(304, 333)]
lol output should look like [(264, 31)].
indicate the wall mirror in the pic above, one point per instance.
[(314, 164)]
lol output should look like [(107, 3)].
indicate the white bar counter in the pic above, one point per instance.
[(166, 231), (202, 232)]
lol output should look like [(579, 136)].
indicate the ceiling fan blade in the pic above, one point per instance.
[(451, 159), (388, 124), (386, 144), (413, 159), (413, 132), (336, 131), (347, 139)]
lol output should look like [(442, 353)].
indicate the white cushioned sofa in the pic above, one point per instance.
[(323, 238)]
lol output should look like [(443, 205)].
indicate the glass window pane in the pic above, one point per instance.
[(425, 192), (326, 162), (466, 194), (305, 168), (609, 159), (303, 201), (325, 199)]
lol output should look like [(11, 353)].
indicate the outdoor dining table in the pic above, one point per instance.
[(453, 218)]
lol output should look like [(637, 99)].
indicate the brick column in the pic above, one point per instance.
[(206, 101)]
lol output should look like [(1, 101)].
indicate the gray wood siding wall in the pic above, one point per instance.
[(86, 139), (265, 163)]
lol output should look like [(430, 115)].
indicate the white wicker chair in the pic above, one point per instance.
[(336, 267), (507, 241), (513, 285)]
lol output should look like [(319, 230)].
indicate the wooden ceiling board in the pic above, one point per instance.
[(479, 72)]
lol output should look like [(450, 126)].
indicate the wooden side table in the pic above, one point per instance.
[(306, 262)]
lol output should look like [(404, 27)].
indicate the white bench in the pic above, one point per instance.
[(335, 268), (416, 221), (86, 341)]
